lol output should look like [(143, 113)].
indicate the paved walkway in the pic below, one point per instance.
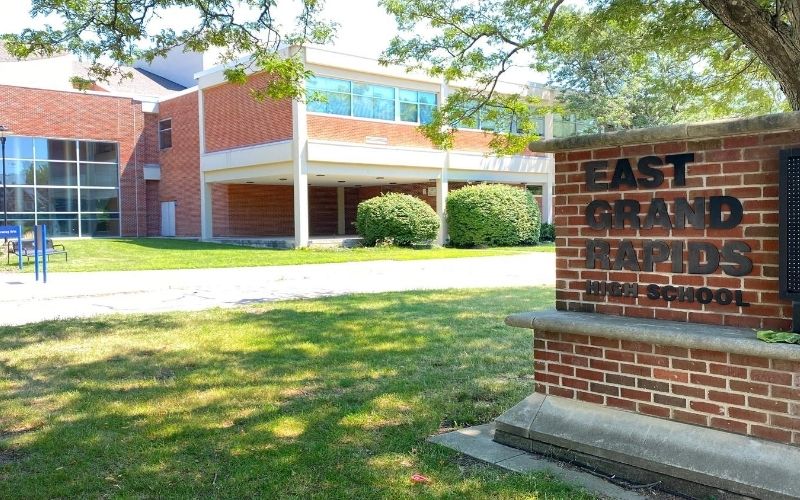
[(66, 295)]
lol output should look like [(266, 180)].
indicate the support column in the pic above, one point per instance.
[(340, 227), (547, 202), (547, 188), (441, 204), (206, 210), (300, 172)]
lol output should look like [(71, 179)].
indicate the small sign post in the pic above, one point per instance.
[(8, 232), (40, 246)]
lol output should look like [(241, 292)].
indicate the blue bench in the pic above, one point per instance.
[(26, 250)]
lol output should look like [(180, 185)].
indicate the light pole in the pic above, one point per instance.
[(4, 132)]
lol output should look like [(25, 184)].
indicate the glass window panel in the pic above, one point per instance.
[(19, 172), (60, 225), (55, 149), (427, 97), (408, 95), (98, 151), (362, 89), (317, 106), (338, 104), (382, 92), (19, 199), (383, 109), (330, 84), (19, 147), (99, 200), (408, 112), (57, 199), (51, 173), (425, 113), (362, 106), (99, 174), (100, 225)]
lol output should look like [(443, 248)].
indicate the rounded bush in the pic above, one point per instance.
[(396, 218), (492, 215)]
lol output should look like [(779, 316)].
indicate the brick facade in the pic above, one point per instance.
[(736, 393), (744, 167), (77, 115), (234, 119), (180, 164)]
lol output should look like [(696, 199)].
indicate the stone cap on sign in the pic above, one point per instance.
[(685, 131), (689, 335)]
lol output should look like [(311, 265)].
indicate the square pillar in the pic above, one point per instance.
[(300, 173), (441, 204), (340, 221), (547, 202), (206, 209)]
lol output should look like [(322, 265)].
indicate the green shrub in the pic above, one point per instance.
[(492, 215), (548, 232), (396, 218)]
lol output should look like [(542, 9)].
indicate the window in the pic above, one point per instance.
[(365, 100), (165, 134), (567, 126), (71, 186)]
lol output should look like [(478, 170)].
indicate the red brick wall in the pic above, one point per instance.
[(75, 115), (335, 128), (233, 118), (180, 164), (731, 392), (153, 209), (255, 210), (745, 167)]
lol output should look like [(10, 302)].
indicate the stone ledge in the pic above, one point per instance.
[(686, 459), (661, 332), (777, 122)]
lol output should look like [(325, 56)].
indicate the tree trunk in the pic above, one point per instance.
[(773, 41)]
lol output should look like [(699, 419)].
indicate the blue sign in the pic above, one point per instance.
[(9, 232)]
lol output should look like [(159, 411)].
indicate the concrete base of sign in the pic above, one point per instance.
[(685, 459)]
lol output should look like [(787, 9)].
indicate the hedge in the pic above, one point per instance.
[(492, 215), (548, 232), (396, 218)]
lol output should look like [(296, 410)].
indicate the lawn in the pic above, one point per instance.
[(329, 398), (131, 254)]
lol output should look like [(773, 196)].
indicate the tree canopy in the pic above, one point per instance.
[(623, 63), (113, 34)]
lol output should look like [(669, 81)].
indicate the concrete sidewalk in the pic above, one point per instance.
[(66, 295)]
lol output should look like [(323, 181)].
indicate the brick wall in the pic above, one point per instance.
[(254, 210), (744, 167), (76, 115), (345, 129), (233, 118), (153, 208), (731, 392), (180, 164)]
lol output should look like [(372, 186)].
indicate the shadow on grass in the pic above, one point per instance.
[(328, 398)]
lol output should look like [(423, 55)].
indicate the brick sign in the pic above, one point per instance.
[(684, 230), (718, 212)]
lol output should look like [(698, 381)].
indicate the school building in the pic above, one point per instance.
[(175, 150)]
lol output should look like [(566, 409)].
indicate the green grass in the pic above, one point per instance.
[(132, 254), (329, 398)]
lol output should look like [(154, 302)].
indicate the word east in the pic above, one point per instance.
[(668, 293)]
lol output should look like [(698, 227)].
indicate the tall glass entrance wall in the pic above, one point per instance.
[(70, 186)]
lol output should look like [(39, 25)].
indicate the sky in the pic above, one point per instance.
[(354, 36)]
